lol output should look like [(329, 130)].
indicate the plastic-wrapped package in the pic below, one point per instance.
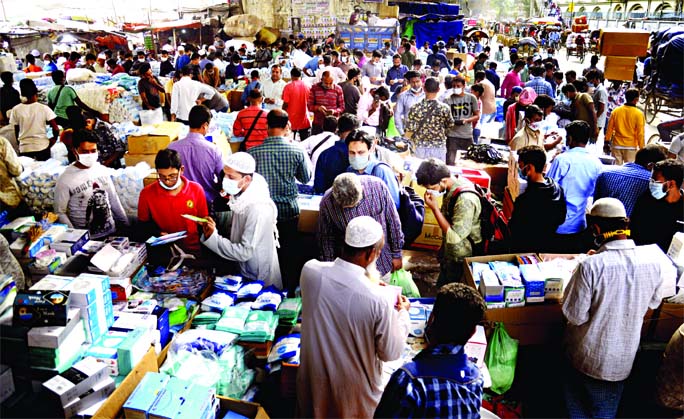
[(233, 320), (268, 299), (128, 183), (286, 349), (289, 310), (229, 283), (218, 302), (250, 290), (259, 327), (203, 340), (37, 184), (235, 376)]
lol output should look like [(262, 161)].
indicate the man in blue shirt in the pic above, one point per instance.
[(441, 381), (183, 58), (395, 75), (313, 64), (629, 181), (436, 55), (407, 99), (576, 172), (491, 75), (361, 161), (537, 82), (335, 160)]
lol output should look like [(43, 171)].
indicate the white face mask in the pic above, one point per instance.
[(88, 160), (534, 126), (164, 59), (170, 188), (142, 60), (435, 193), (230, 186), (458, 91)]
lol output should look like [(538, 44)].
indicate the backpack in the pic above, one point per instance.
[(493, 222), (411, 211)]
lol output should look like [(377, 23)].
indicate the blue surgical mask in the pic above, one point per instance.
[(567, 102), (521, 174), (656, 189), (359, 162), (231, 186), (590, 85)]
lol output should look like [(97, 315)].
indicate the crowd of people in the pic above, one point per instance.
[(439, 107)]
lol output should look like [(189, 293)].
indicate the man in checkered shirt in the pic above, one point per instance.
[(441, 381), (605, 304)]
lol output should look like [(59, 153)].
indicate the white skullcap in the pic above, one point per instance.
[(362, 232), (608, 208), (211, 48), (241, 162), (35, 53), (181, 48), (202, 52), (101, 56)]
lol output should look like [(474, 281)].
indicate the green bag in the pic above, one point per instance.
[(501, 358), (404, 279)]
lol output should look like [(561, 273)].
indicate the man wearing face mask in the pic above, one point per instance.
[(465, 111), (353, 196), (659, 213), (531, 232), (202, 159), (162, 204), (576, 171), (407, 99), (166, 65), (85, 196), (362, 162), (349, 328), (458, 218), (604, 305), (252, 227), (530, 134)]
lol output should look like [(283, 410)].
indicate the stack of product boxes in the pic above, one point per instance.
[(78, 388), (160, 396)]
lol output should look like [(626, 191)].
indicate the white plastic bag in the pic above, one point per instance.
[(148, 117)]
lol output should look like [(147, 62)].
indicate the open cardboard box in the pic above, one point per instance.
[(532, 324), (250, 410)]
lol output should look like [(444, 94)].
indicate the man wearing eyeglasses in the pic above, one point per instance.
[(161, 205)]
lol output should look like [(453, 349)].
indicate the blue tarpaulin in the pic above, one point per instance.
[(428, 32), (427, 8)]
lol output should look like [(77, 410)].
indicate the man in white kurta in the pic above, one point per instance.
[(272, 89), (348, 330), (253, 233)]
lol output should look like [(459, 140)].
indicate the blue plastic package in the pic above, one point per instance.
[(250, 290), (268, 299), (286, 349)]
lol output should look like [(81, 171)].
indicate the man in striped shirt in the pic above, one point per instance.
[(325, 98), (353, 196)]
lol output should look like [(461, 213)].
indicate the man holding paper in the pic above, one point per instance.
[(161, 205), (253, 229)]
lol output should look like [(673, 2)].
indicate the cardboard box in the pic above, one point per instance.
[(113, 405), (660, 324), (151, 178), (250, 410), (430, 237), (158, 139), (145, 395), (623, 42), (54, 336), (41, 308), (620, 68), (99, 392), (531, 325), (133, 159)]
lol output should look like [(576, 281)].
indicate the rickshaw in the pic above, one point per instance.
[(664, 89), (527, 47), (575, 45)]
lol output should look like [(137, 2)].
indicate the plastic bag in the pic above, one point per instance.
[(404, 279), (501, 359)]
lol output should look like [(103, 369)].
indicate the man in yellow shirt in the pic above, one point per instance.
[(625, 132)]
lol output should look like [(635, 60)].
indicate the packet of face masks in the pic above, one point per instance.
[(286, 349), (250, 290), (269, 299)]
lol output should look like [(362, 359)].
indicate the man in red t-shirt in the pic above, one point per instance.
[(162, 204), (295, 95), (245, 119)]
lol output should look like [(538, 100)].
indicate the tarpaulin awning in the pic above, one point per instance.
[(428, 32), (178, 24), (427, 8)]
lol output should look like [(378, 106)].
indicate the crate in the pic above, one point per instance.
[(620, 68), (623, 43)]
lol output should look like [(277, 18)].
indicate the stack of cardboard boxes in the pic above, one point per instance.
[(145, 147), (621, 48)]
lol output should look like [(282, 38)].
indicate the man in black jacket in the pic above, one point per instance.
[(540, 209)]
